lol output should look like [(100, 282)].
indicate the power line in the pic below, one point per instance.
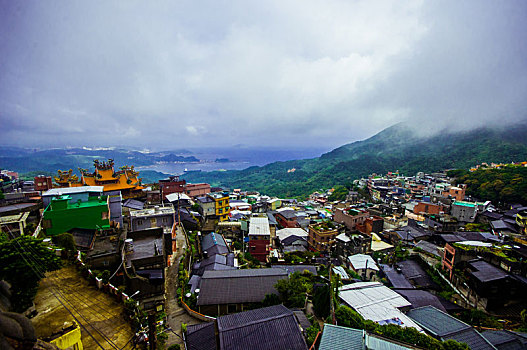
[(60, 301), (55, 288), (60, 292)]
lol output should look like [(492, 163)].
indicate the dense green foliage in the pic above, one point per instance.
[(339, 193), (321, 301), (348, 318), (65, 241), (292, 291), (270, 300), (311, 333), (505, 185), (23, 262), (396, 148)]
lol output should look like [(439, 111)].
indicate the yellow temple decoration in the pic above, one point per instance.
[(125, 180)]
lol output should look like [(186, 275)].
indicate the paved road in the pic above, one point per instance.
[(97, 311), (176, 315)]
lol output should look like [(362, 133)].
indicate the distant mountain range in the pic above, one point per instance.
[(399, 147), (50, 160)]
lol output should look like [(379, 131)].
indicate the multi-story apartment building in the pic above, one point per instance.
[(221, 202), (322, 236)]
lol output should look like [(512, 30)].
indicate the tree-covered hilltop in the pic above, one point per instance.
[(504, 185), (398, 147)]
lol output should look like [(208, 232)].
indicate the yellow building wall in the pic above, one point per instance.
[(222, 208), (69, 340)]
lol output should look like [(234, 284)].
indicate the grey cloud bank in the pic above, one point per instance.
[(176, 74)]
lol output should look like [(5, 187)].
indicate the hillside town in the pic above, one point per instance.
[(391, 261)]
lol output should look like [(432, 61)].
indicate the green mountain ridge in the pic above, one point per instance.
[(398, 147)]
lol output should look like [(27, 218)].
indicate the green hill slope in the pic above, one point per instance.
[(398, 147)]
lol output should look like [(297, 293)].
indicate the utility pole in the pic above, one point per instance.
[(331, 292), (152, 340)]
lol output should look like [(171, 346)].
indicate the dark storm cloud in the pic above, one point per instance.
[(296, 72)]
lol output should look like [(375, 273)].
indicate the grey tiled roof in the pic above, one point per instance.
[(506, 340), (420, 298), (429, 248), (472, 338), (272, 220), (397, 279), (213, 243), (415, 274), (238, 286), (436, 322), (486, 272), (201, 336), (444, 326), (298, 268), (269, 328), (133, 204)]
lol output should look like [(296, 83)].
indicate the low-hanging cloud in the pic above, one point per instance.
[(177, 74)]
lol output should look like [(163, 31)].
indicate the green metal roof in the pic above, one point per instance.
[(465, 204), (341, 338)]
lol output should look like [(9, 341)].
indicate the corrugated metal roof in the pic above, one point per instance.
[(259, 226), (362, 261), (173, 197), (72, 190), (376, 302), (286, 232)]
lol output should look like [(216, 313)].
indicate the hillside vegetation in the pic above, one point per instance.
[(396, 148), (505, 185)]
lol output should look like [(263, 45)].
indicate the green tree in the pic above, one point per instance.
[(321, 301), (23, 261), (65, 241), (293, 290), (523, 316), (311, 333), (271, 299), (339, 194)]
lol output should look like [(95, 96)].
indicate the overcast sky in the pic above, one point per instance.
[(289, 73)]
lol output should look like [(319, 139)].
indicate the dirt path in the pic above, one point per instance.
[(97, 311), (176, 315)]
